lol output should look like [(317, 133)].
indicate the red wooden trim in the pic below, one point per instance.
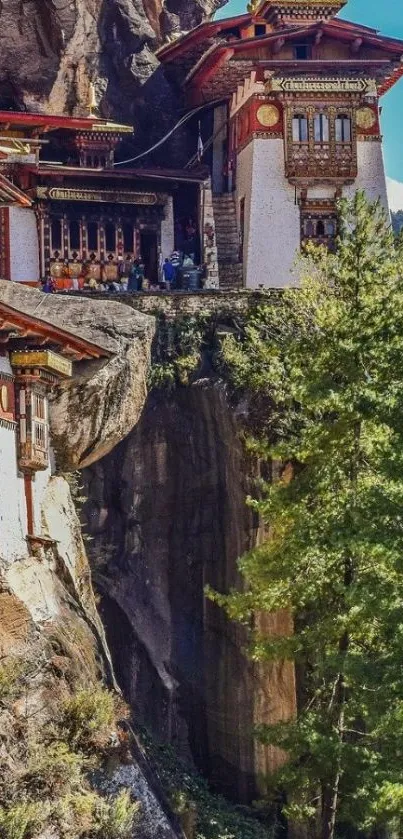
[(12, 193), (333, 28), (11, 319), (209, 67), (205, 30), (51, 122), (5, 266), (391, 81), (29, 503)]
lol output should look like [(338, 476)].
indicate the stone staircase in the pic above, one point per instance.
[(227, 239)]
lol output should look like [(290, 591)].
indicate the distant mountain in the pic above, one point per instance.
[(395, 194)]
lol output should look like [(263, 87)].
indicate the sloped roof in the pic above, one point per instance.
[(15, 323), (387, 69), (43, 123), (11, 195)]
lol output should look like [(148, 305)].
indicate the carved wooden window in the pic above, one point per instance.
[(343, 128), (321, 128), (318, 227), (300, 128), (39, 422)]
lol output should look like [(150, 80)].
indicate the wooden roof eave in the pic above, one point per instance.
[(369, 36), (43, 123), (11, 195), (35, 329), (205, 30), (209, 64), (119, 174), (390, 81), (333, 29)]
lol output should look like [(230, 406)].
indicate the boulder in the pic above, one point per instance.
[(91, 413)]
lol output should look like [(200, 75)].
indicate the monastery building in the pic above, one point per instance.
[(283, 106)]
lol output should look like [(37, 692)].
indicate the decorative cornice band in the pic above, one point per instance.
[(9, 424)]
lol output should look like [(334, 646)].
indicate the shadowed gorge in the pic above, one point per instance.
[(167, 515)]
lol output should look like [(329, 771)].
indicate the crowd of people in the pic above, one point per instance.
[(127, 275)]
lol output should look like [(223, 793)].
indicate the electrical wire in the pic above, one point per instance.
[(179, 124)]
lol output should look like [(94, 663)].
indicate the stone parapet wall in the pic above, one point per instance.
[(178, 303)]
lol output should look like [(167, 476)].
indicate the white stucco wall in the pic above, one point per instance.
[(272, 219), (13, 510), (167, 229), (24, 246), (13, 514), (371, 172)]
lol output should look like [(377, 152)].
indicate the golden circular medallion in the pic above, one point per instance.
[(366, 118), (4, 398), (268, 115)]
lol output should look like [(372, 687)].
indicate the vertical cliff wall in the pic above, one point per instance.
[(167, 514), (50, 50), (52, 641)]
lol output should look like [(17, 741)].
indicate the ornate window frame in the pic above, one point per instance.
[(328, 158)]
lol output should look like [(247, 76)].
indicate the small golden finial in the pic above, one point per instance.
[(253, 6), (92, 101)]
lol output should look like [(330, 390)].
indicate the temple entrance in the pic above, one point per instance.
[(149, 255)]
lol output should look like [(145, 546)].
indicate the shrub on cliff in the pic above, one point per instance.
[(329, 359), (202, 814), (87, 718), (46, 754)]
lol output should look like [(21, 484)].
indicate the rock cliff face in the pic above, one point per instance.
[(50, 50), (48, 614), (167, 514), (98, 407)]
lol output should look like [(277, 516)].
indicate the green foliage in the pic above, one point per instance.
[(45, 778), (397, 222), (328, 360), (89, 815), (115, 816), (188, 794), (178, 351), (162, 376), (88, 717), (20, 821), (11, 673), (52, 769)]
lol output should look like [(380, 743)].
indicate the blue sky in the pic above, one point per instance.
[(387, 16)]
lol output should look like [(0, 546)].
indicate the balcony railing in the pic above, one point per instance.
[(321, 160)]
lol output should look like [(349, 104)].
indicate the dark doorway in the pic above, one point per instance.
[(149, 256)]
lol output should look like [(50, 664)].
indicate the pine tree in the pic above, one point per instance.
[(328, 359)]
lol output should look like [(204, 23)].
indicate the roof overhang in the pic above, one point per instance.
[(200, 33), (11, 196), (170, 176), (43, 123), (15, 324), (222, 52)]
